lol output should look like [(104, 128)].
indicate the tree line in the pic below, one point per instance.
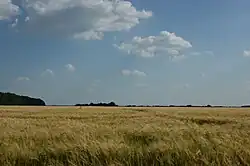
[(110, 104), (14, 99)]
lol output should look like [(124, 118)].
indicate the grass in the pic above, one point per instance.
[(124, 136)]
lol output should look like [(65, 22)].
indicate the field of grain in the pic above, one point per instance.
[(124, 136)]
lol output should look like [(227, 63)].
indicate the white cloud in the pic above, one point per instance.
[(81, 19), (23, 79), (48, 72), (15, 22), (138, 73), (246, 53), (89, 35), (26, 19), (8, 10), (70, 67), (166, 43)]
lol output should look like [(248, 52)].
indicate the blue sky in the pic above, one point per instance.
[(131, 52)]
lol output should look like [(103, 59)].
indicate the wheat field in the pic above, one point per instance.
[(98, 136)]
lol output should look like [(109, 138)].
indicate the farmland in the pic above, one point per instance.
[(124, 136)]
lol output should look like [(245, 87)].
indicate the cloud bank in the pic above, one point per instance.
[(79, 19)]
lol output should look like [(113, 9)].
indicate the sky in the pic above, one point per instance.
[(131, 52)]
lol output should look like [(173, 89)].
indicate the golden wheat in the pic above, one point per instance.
[(124, 136)]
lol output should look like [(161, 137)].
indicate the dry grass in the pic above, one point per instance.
[(124, 136)]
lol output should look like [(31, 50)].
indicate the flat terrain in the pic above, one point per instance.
[(124, 136)]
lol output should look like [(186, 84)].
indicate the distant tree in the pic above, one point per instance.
[(245, 106), (13, 99), (110, 104)]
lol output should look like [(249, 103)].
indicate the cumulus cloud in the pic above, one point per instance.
[(138, 73), (166, 43), (70, 67), (246, 53), (8, 10), (48, 72), (80, 19), (23, 79)]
